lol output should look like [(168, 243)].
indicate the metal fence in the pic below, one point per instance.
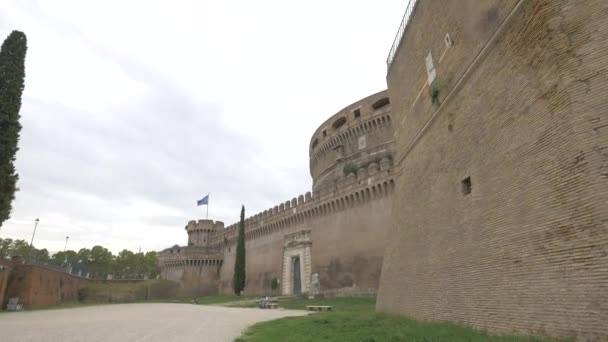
[(404, 22)]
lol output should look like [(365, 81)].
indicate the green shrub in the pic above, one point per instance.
[(435, 90), (349, 168), (274, 284)]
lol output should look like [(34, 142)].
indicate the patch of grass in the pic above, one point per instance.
[(351, 304), (220, 299), (354, 319), (204, 300)]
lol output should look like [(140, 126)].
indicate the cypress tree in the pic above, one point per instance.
[(238, 282), (12, 75)]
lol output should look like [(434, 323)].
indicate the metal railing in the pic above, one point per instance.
[(404, 22)]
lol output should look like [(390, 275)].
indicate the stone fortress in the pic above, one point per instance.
[(351, 165), (478, 195)]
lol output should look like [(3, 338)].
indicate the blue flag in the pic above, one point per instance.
[(204, 200)]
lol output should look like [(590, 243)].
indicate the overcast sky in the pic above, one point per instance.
[(133, 110)]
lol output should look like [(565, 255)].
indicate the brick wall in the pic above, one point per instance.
[(38, 286), (347, 246), (194, 280), (524, 114), (6, 267)]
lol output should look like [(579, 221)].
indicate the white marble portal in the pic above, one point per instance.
[(296, 245)]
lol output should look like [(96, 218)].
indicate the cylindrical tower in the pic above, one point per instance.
[(356, 137)]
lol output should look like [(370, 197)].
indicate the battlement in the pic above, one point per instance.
[(180, 256), (200, 232), (204, 225), (368, 184)]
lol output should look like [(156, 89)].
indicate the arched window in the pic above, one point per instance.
[(381, 103), (338, 123)]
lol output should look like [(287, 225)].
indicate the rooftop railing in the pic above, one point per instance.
[(404, 22)]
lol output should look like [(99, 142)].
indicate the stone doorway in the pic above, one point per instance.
[(297, 283), (296, 263)]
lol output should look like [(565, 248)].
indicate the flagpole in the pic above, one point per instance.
[(207, 217)]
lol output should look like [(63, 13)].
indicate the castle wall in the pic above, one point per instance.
[(227, 270), (348, 246), (194, 280), (348, 234), (523, 115)]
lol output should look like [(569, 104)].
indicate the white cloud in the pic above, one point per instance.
[(135, 109)]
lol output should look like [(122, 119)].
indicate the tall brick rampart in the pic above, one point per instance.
[(348, 233), (500, 216)]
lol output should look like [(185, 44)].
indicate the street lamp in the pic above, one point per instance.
[(33, 234), (66, 243)]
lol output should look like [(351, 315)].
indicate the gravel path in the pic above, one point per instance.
[(135, 322)]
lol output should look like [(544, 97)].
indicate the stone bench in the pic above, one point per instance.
[(319, 307), (270, 303)]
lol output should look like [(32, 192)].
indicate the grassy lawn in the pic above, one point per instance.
[(204, 300), (220, 299), (354, 319), (355, 304)]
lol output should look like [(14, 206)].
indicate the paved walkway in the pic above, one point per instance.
[(135, 322)]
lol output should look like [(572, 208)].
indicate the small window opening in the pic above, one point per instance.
[(381, 103), (466, 186), (447, 40), (315, 143), (339, 123), (324, 133), (357, 112)]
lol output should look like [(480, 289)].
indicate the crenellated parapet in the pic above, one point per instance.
[(361, 188), (200, 232), (190, 256)]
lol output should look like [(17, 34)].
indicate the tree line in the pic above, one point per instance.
[(98, 261)]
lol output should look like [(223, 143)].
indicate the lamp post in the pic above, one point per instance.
[(32, 241), (66, 243)]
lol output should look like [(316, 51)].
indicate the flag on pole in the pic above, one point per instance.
[(203, 201)]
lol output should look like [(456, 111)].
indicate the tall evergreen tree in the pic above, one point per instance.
[(238, 282), (12, 75)]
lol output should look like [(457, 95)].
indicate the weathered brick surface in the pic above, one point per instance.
[(38, 287), (6, 267), (526, 117)]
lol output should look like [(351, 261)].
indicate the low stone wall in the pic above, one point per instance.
[(126, 292), (38, 286), (6, 267)]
